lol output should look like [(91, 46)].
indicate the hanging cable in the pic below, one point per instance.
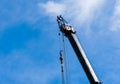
[(60, 44), (62, 67), (61, 59), (65, 60), (65, 74)]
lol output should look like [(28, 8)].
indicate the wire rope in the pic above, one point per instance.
[(65, 59), (61, 60)]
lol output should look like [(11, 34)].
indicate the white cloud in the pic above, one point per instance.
[(116, 17), (78, 11), (82, 11), (52, 8)]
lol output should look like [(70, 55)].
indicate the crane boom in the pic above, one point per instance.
[(69, 32)]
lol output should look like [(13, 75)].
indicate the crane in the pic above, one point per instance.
[(70, 33)]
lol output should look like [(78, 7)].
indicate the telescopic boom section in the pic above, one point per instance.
[(69, 32)]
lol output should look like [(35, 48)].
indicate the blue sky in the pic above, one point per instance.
[(29, 42)]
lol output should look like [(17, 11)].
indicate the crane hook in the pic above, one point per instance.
[(61, 58)]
